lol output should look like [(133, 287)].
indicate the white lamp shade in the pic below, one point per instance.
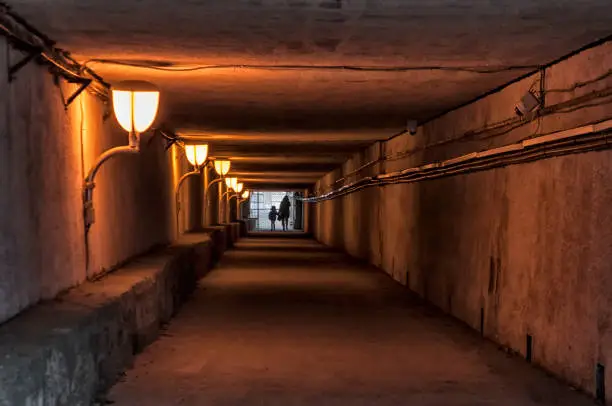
[(231, 183), (222, 166), (239, 187), (196, 154), (246, 194), (135, 105)]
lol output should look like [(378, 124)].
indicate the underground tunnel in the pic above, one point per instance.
[(305, 202)]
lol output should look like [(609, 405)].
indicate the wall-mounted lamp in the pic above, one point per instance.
[(232, 191), (135, 105), (222, 166), (196, 155), (231, 183), (243, 198), (233, 187)]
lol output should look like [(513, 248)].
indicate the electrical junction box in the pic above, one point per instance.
[(528, 103)]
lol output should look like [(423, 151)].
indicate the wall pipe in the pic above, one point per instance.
[(587, 138)]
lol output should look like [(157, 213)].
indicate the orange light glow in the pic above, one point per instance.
[(196, 154), (232, 183), (135, 105), (222, 166)]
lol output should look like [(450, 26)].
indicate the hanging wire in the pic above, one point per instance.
[(55, 57), (579, 85), (170, 67)]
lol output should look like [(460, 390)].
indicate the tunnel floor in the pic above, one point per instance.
[(286, 321)]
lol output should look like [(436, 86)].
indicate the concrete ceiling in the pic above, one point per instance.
[(300, 122)]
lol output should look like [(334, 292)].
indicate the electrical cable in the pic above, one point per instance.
[(5, 8), (584, 106), (577, 101), (561, 108), (169, 67), (579, 85), (586, 143), (507, 130), (515, 122), (45, 56), (537, 80), (74, 75)]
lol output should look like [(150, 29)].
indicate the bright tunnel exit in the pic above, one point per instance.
[(273, 210)]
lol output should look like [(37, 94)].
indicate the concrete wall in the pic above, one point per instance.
[(44, 153), (528, 245), (68, 352)]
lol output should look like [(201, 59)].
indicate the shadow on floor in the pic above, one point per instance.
[(304, 325)]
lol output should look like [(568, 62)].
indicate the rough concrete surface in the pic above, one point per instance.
[(68, 351), (45, 153), (515, 251), (318, 32), (290, 322), (290, 113)]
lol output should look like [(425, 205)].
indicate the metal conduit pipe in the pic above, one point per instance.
[(471, 168), (582, 139), (459, 162)]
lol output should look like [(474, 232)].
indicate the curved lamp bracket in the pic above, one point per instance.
[(212, 182), (89, 184), (230, 197), (182, 179)]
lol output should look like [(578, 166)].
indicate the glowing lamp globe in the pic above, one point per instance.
[(222, 166), (231, 183), (246, 194), (196, 154), (239, 187), (135, 105)]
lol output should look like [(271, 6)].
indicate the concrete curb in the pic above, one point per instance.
[(69, 350)]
